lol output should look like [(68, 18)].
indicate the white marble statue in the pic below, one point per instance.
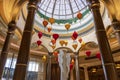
[(64, 62)]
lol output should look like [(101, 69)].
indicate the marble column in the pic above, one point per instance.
[(116, 26), (106, 55), (86, 72), (5, 49), (77, 66), (24, 51), (49, 66)]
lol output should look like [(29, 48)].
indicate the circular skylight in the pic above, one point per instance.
[(62, 9)]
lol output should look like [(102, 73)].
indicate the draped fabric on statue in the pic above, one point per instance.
[(64, 63)]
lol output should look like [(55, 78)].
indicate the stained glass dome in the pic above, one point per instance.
[(62, 9)]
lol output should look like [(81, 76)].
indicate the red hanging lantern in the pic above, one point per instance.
[(67, 26), (55, 53), (45, 23), (53, 41), (55, 36), (80, 40), (49, 29), (75, 35), (88, 53), (39, 42), (51, 20), (71, 66), (98, 56), (79, 15), (40, 34)]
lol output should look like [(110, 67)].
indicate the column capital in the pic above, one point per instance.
[(93, 4), (76, 53), (11, 27), (116, 24), (33, 3), (50, 53)]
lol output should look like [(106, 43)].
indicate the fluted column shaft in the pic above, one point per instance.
[(116, 26), (106, 55), (5, 49), (49, 66), (77, 66), (86, 73), (24, 51)]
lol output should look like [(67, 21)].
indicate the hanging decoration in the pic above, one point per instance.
[(66, 42), (55, 53), (71, 67), (63, 42), (53, 46), (79, 15), (45, 23), (80, 40), (88, 53), (39, 34), (39, 42), (67, 26), (49, 28), (72, 61), (74, 35), (53, 41), (98, 56), (82, 44), (51, 20), (55, 36), (75, 45), (44, 58)]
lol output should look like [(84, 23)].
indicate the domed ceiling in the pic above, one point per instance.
[(64, 12), (73, 12)]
